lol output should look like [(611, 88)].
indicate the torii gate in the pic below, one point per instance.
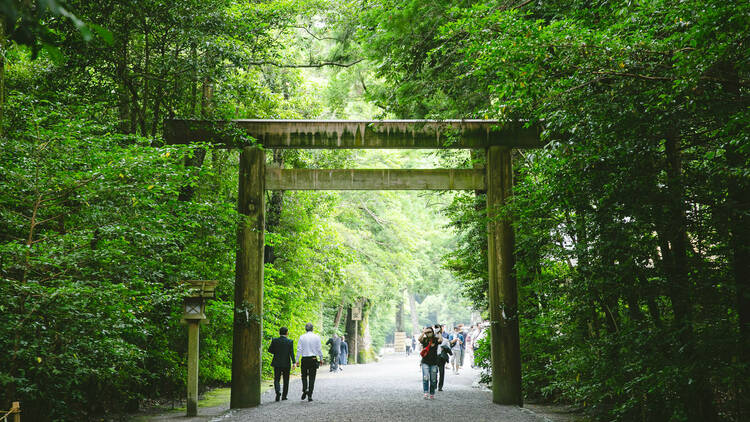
[(254, 178)]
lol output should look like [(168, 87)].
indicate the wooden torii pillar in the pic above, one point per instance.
[(495, 138), (248, 280), (503, 288)]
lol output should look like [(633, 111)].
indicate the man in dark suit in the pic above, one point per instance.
[(283, 358), (333, 352)]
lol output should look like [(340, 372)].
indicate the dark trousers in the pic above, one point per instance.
[(309, 370), (334, 362), (441, 373), (277, 373)]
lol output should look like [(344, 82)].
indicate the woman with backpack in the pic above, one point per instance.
[(430, 343)]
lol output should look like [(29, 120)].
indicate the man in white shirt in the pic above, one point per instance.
[(309, 355)]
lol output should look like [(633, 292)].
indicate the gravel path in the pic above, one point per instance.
[(390, 390)]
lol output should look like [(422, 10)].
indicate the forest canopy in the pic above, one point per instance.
[(632, 238)]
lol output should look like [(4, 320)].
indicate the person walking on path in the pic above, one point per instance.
[(282, 348), (456, 349), (343, 353), (309, 355), (444, 351), (429, 363), (333, 352), (470, 339), (462, 335)]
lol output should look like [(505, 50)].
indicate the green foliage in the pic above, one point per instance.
[(483, 359), (631, 227), (24, 23), (632, 231), (100, 224), (94, 249)]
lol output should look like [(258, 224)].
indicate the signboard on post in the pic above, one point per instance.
[(357, 312), (399, 341)]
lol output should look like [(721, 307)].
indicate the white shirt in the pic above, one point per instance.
[(309, 345)]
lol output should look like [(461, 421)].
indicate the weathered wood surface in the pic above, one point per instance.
[(503, 291), (192, 383), (369, 179), (374, 134), (248, 284)]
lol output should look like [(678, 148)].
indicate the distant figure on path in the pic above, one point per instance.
[(470, 344), (444, 353), (456, 341), (413, 343), (463, 333), (282, 349), (343, 353), (429, 363), (407, 346), (309, 354), (333, 351)]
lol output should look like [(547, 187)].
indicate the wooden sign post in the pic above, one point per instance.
[(356, 317), (15, 410)]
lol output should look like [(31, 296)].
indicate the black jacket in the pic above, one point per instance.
[(283, 352), (432, 355), (335, 343)]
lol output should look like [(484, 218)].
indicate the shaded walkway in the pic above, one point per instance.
[(387, 390)]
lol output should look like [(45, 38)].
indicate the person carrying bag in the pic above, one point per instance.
[(429, 363), (444, 352)]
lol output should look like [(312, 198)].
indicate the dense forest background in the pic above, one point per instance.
[(632, 231)]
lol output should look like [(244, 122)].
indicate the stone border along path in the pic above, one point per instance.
[(389, 390)]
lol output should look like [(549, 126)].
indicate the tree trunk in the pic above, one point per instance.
[(697, 395), (187, 192), (738, 205), (611, 319), (738, 210), (146, 82), (123, 96), (654, 311), (339, 314), (194, 79), (400, 315), (352, 335), (634, 308), (675, 234), (218, 160), (158, 98), (157, 112), (207, 99), (365, 339), (413, 311)]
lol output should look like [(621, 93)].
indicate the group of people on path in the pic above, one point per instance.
[(440, 347), (309, 357), (338, 351)]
